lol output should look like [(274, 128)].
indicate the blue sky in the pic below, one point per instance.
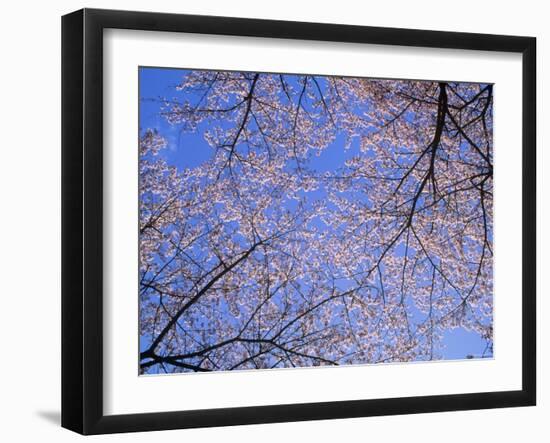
[(187, 150)]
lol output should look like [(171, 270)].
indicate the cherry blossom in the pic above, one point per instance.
[(258, 258)]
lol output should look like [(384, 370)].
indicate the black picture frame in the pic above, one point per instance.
[(82, 214)]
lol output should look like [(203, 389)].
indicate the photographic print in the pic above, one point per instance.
[(301, 220)]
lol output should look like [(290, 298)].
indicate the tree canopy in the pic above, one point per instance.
[(269, 255)]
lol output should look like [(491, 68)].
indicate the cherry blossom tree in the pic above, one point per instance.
[(260, 258)]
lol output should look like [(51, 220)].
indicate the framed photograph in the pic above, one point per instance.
[(269, 221)]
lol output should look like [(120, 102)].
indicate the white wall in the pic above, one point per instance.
[(30, 217)]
